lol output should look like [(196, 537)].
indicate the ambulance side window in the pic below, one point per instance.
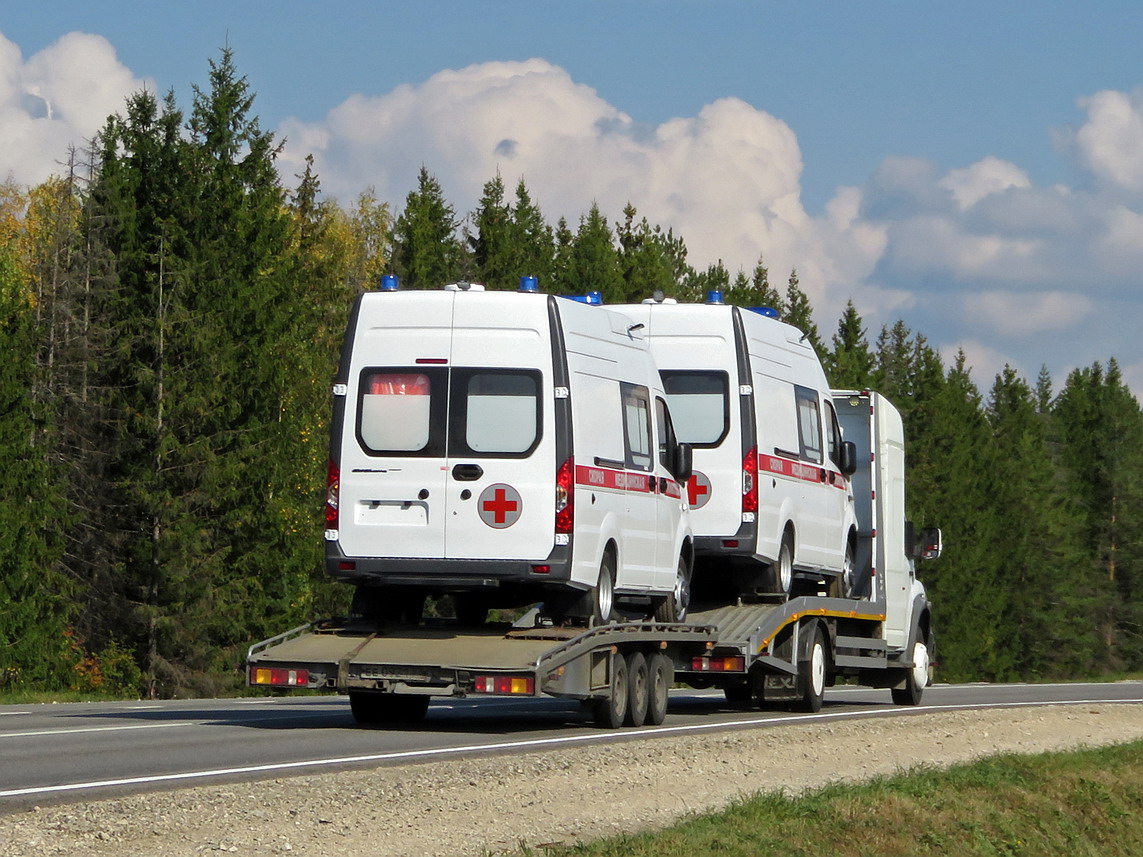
[(400, 411), (637, 427), (809, 424), (700, 404), (495, 412), (833, 431)]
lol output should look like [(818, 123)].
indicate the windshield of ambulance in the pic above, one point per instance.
[(700, 405), (437, 411)]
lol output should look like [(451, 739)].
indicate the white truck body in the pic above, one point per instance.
[(511, 444), (748, 393)]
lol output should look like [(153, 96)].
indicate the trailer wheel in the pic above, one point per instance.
[(673, 607), (916, 679), (812, 674), (372, 709), (661, 675), (612, 711), (638, 690)]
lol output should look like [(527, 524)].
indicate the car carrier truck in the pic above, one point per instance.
[(787, 652)]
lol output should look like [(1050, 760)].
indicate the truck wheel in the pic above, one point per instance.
[(386, 604), (638, 690), (673, 608), (470, 610), (780, 575), (611, 712), (661, 675), (372, 709), (916, 679), (812, 674)]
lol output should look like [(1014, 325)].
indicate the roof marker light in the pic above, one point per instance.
[(390, 283), (529, 284)]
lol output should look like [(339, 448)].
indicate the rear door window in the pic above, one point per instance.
[(401, 411), (496, 412), (700, 405)]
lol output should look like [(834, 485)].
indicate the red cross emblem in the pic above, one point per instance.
[(698, 489), (499, 506)]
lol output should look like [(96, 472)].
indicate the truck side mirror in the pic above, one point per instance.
[(931, 544), (684, 463), (848, 463)]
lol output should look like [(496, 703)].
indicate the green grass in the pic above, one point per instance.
[(1077, 804)]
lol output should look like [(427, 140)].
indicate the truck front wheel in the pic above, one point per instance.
[(916, 678)]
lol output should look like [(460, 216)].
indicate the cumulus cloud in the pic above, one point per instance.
[(1110, 143), (57, 98), (1024, 313), (727, 179), (984, 178)]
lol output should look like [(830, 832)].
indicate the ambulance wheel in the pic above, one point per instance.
[(602, 595), (812, 674), (638, 688), (372, 709), (673, 607), (611, 712), (916, 679), (780, 575), (384, 604)]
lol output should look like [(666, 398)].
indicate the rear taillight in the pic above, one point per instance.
[(750, 481), (278, 677), (505, 684), (332, 495), (565, 496)]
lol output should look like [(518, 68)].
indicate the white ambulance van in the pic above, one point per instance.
[(771, 501), (505, 448)]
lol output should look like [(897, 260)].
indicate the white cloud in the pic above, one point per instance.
[(728, 179), (60, 97), (984, 178), (1110, 143)]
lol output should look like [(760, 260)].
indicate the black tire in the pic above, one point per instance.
[(812, 673), (661, 675), (611, 712), (780, 574), (916, 679), (639, 690), (673, 608), (471, 610), (373, 709)]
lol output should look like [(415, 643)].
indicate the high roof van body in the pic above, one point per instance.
[(770, 499), (505, 448)]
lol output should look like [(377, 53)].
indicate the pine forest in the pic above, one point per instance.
[(170, 317)]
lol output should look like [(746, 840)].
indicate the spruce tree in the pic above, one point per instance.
[(594, 261), (849, 363), (796, 310), (495, 250), (426, 253), (532, 239)]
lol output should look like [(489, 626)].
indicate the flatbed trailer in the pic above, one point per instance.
[(786, 651)]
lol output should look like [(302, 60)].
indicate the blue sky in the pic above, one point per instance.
[(974, 168)]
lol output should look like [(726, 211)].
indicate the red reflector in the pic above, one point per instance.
[(541, 569), (346, 566), (718, 665), (434, 361), (505, 684), (730, 543)]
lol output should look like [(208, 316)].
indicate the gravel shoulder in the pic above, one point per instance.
[(463, 807)]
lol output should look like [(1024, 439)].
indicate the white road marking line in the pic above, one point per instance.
[(77, 730), (534, 743), (11, 713)]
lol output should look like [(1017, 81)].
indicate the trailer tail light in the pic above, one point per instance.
[(332, 497), (736, 664), (565, 497), (270, 677), (750, 481), (505, 684)]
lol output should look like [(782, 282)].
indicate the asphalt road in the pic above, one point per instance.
[(82, 751)]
